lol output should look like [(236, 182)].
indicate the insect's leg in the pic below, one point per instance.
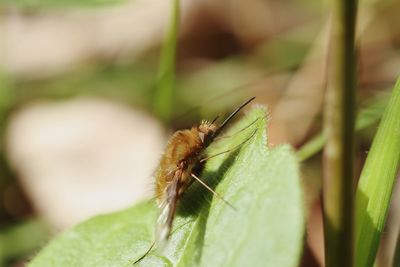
[(241, 130), (196, 171), (229, 150), (212, 191), (145, 254)]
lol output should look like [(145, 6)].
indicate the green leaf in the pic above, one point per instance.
[(265, 229), (376, 183)]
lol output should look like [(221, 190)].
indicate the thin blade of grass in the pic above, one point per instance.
[(164, 94), (376, 183)]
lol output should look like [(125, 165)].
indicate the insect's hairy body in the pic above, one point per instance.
[(180, 165), (181, 158)]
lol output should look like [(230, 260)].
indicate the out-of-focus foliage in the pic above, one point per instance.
[(20, 239), (367, 117)]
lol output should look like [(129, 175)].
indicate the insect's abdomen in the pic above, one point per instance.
[(173, 176)]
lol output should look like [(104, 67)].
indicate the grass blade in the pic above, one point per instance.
[(163, 98), (376, 183)]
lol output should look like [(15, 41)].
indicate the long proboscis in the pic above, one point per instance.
[(230, 117)]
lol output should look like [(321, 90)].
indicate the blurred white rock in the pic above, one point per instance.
[(81, 157)]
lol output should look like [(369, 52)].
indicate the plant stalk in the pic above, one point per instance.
[(338, 184)]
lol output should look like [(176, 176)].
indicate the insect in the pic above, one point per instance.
[(180, 166)]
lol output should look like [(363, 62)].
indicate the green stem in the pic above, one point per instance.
[(338, 197), (163, 98)]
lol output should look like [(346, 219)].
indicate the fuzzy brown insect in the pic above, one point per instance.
[(180, 166)]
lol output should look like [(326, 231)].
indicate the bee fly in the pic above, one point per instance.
[(180, 166)]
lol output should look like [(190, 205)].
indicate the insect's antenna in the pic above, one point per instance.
[(215, 119), (241, 130), (223, 124), (229, 150)]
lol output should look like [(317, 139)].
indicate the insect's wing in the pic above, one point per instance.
[(167, 209)]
